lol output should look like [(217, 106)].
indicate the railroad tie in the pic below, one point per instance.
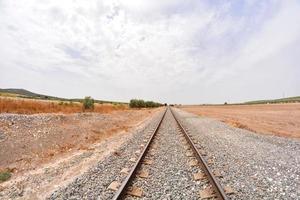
[(147, 162), (114, 185), (207, 193), (143, 174), (125, 171), (193, 163), (135, 191), (199, 176), (229, 190)]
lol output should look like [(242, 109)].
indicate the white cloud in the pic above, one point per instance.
[(278, 32), (160, 50)]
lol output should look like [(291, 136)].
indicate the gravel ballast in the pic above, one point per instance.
[(256, 166), (170, 175)]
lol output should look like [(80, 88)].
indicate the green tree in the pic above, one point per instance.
[(88, 103), (139, 103)]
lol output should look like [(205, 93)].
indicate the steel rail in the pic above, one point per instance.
[(216, 185), (122, 189)]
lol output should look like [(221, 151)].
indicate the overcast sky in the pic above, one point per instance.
[(189, 51)]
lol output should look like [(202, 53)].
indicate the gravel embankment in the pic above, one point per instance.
[(255, 166), (94, 183), (171, 176)]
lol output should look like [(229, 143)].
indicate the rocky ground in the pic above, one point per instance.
[(28, 140), (255, 165), (44, 151)]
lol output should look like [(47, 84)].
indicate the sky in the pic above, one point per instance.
[(174, 51)]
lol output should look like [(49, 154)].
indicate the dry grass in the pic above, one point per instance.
[(106, 108), (28, 106), (275, 119)]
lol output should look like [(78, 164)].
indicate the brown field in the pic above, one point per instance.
[(276, 119), (30, 106), (29, 140)]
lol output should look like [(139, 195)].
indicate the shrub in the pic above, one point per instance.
[(88, 103), (139, 103), (149, 104), (4, 176), (136, 103)]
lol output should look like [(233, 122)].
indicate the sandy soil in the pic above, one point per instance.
[(30, 140), (276, 119), (64, 167)]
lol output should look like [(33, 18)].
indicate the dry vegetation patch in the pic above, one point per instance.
[(4, 175), (30, 106)]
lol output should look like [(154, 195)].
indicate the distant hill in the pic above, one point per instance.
[(27, 94), (22, 93), (295, 99), (282, 100)]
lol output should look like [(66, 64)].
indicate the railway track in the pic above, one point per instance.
[(212, 187)]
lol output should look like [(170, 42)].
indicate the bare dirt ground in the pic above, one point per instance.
[(27, 141), (274, 119)]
